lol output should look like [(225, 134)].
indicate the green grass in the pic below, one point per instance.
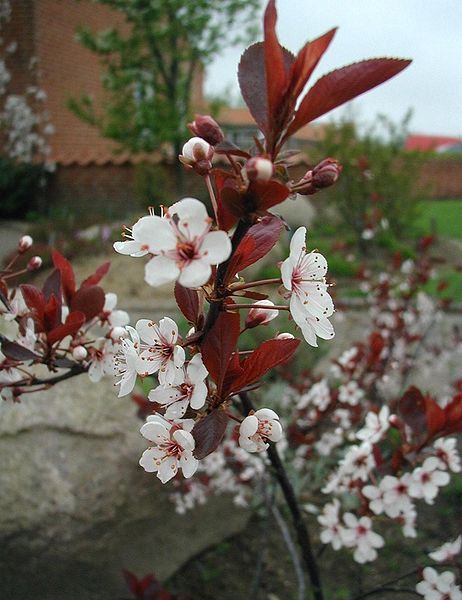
[(445, 215)]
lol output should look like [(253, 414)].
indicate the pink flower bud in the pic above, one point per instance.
[(79, 353), (207, 128), (284, 336), (258, 169), (323, 175), (25, 243), (34, 263), (197, 153), (260, 316)]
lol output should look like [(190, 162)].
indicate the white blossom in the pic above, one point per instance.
[(190, 390), (310, 303), (438, 586), (173, 448), (257, 428)]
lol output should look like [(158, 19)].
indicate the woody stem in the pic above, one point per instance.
[(251, 284), (213, 199), (300, 527)]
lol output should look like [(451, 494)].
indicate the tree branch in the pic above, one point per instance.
[(300, 527)]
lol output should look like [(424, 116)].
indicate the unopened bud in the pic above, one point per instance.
[(79, 353), (260, 316), (34, 263), (323, 175), (118, 332), (207, 128), (258, 169), (25, 243), (284, 336), (197, 153)]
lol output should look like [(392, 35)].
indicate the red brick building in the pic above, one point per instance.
[(89, 171)]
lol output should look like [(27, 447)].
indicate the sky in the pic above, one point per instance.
[(428, 31)]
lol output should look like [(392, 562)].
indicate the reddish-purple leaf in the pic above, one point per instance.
[(67, 275), (64, 363), (52, 314), (436, 418), (227, 147), (276, 76), (413, 410), (453, 413), (252, 81), (188, 302), (306, 61), (219, 344), (35, 302), (208, 433), (257, 242), (267, 193), (52, 286), (234, 371), (73, 323), (229, 199), (267, 356), (97, 275), (15, 351), (342, 85), (89, 300)]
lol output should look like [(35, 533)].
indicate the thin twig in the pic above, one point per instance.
[(386, 585), (292, 550), (300, 527)]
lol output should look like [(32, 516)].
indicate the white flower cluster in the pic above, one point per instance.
[(26, 130)]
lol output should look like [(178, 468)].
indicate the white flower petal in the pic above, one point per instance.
[(216, 247), (195, 274), (160, 270)]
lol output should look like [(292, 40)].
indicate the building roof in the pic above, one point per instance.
[(241, 117), (427, 143)]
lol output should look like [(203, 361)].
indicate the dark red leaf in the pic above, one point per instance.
[(257, 242), (52, 314), (436, 418), (52, 286), (97, 275), (89, 300), (342, 85), (67, 275), (35, 302), (276, 76), (73, 323), (267, 356), (234, 371), (188, 302), (306, 61), (230, 206), (252, 81), (219, 344), (208, 433), (64, 363), (226, 147), (266, 194), (454, 414), (16, 351), (413, 410)]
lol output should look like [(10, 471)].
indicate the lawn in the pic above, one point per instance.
[(444, 215)]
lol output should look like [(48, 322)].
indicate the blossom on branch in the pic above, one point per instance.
[(173, 448), (160, 352), (303, 276), (256, 429), (181, 244), (190, 389)]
